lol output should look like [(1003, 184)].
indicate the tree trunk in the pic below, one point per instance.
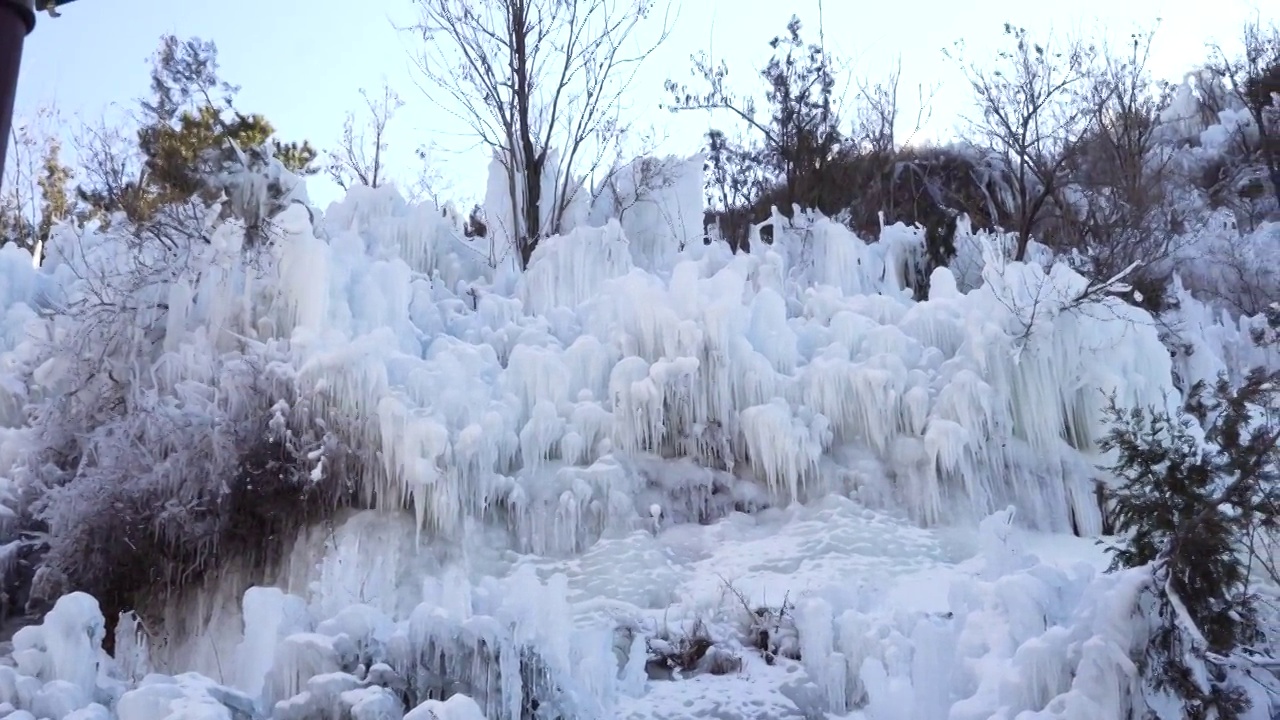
[(532, 209), (531, 161), (1024, 239)]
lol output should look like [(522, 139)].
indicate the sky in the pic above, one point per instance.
[(302, 63)]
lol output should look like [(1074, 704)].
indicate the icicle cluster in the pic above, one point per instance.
[(465, 402)]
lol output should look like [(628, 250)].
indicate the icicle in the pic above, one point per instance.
[(571, 269), (269, 616), (782, 449), (541, 435)]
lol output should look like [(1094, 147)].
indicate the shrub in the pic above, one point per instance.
[(1187, 505)]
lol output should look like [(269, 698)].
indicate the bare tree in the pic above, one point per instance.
[(798, 127), (432, 183), (112, 174), (20, 202), (540, 82), (634, 188), (1116, 208), (635, 173), (1033, 116), (361, 155), (876, 112)]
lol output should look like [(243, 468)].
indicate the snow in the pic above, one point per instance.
[(640, 444)]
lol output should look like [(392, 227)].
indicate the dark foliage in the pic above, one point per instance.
[(770, 630), (1186, 508), (682, 653), (135, 543), (1259, 90), (796, 155)]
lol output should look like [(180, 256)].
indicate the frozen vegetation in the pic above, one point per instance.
[(370, 475)]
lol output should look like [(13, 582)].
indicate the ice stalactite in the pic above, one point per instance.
[(842, 262), (304, 270), (783, 448), (413, 448)]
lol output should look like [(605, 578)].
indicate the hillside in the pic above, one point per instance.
[(877, 442), (567, 488)]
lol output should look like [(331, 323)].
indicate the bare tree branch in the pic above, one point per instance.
[(539, 82), (360, 156), (1031, 115)]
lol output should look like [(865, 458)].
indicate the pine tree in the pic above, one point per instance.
[(1186, 507), (188, 124)]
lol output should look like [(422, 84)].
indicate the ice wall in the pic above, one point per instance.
[(771, 369), (619, 386)]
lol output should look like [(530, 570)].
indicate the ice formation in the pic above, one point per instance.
[(548, 462), (1016, 638)]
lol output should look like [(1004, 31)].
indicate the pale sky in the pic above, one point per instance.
[(302, 62)]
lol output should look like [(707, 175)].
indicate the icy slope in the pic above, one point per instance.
[(666, 437)]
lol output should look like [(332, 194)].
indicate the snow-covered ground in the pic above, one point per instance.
[(643, 479)]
